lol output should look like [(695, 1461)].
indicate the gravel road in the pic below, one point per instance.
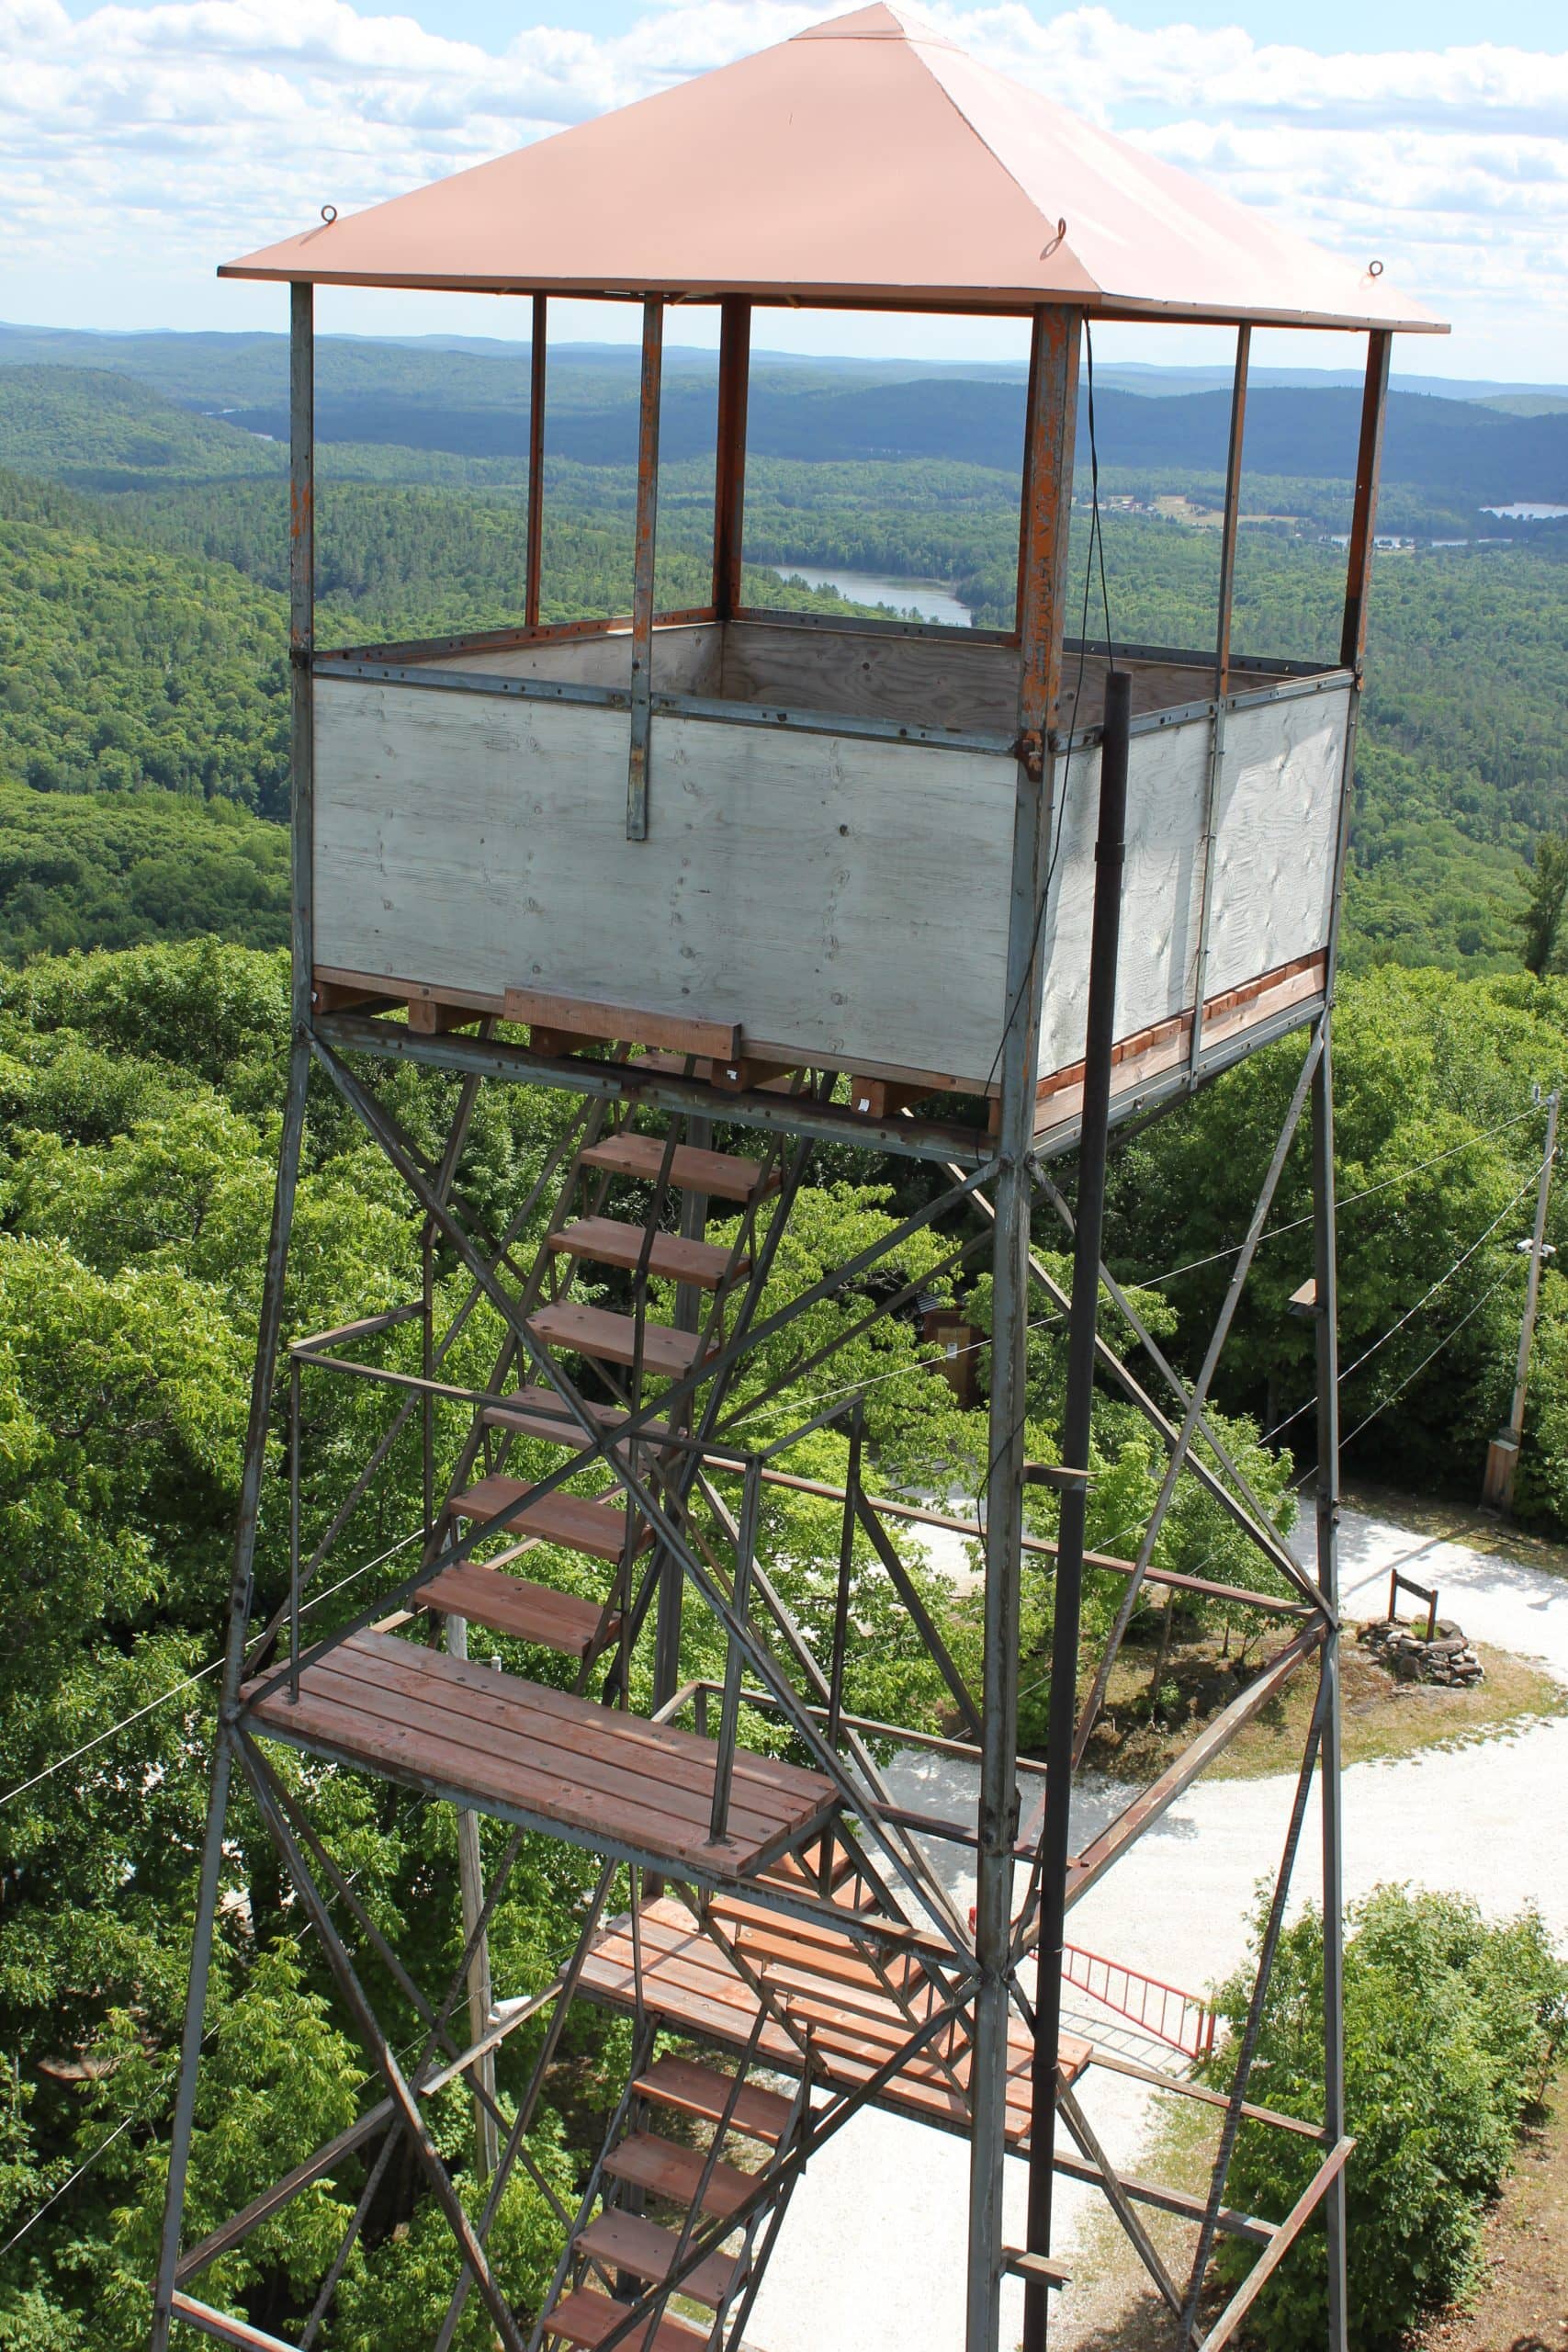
[(873, 2250)]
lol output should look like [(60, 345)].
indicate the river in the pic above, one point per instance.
[(932, 600)]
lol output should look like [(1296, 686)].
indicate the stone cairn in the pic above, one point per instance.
[(1447, 1659)]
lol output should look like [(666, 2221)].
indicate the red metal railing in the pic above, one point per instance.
[(1164, 2010)]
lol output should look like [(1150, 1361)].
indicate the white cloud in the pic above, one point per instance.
[(145, 144)]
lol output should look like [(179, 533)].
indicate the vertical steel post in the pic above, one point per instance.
[(1083, 1332), (471, 1899), (735, 1664), (729, 466), (301, 647), (1048, 472), (643, 567), (535, 543), (1222, 688), (1364, 514), (1502, 1453), (1326, 1256), (688, 1317)]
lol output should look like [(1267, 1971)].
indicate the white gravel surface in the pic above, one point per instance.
[(872, 2254)]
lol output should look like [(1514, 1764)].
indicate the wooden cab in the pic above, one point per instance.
[(829, 830)]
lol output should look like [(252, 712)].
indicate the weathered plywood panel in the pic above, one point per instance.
[(929, 682), (1166, 780), (845, 901), (685, 659), (923, 682), (1275, 826)]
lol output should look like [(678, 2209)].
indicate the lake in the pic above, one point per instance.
[(933, 600), (1523, 511)]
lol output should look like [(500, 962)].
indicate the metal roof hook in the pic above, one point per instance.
[(329, 213), (1047, 251)]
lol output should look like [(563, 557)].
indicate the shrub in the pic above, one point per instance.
[(1452, 2029)]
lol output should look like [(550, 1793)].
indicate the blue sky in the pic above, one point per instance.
[(148, 139), (1327, 25)]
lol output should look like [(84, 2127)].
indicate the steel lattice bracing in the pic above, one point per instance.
[(804, 1933), (784, 1918)]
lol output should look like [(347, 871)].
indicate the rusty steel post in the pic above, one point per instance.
[(301, 647), (1325, 1255), (729, 466), (643, 568), (1222, 688), (1049, 472), (1083, 1331), (533, 550)]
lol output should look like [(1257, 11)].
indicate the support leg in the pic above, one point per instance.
[(1046, 2089), (261, 1379), (1048, 472), (1328, 1582)]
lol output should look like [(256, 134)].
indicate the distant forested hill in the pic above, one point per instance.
[(142, 625), (121, 666), (470, 401), (100, 431)]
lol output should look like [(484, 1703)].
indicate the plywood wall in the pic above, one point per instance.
[(845, 901), (838, 898)]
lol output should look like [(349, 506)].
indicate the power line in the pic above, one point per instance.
[(1347, 1200), (1367, 1353), (101, 1738)]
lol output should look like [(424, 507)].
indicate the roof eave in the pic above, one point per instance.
[(1009, 300)]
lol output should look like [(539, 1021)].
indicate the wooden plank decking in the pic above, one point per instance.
[(614, 1783), (690, 1985)]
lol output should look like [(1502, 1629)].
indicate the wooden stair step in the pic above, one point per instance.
[(583, 2317), (628, 2242), (725, 1175), (796, 1871), (608, 1242), (539, 1412), (666, 2169), (595, 1331), (529, 1612), (1022, 2264), (695, 2089), (597, 1528)]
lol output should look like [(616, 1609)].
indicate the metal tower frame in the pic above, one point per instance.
[(855, 1866)]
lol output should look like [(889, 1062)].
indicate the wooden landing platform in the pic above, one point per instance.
[(614, 1783), (821, 1979)]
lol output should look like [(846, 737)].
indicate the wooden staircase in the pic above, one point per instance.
[(598, 1346), (620, 2260)]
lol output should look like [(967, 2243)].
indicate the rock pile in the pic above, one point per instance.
[(1447, 1659)]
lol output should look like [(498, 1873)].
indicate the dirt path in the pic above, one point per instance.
[(872, 2252)]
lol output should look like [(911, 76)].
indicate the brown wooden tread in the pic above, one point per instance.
[(527, 1753), (583, 2317), (575, 1521), (694, 2090), (529, 1612), (665, 2169), (539, 1412), (594, 1331), (627, 2242), (690, 1985), (608, 1242), (725, 1175)]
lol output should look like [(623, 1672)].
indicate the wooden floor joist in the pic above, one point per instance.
[(614, 1783)]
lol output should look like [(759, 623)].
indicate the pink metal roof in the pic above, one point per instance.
[(868, 162)]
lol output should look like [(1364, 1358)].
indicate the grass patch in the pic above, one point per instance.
[(1382, 1719)]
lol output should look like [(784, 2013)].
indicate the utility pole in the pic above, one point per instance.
[(1502, 1453)]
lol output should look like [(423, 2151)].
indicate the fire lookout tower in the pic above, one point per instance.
[(743, 882)]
